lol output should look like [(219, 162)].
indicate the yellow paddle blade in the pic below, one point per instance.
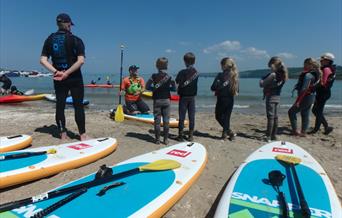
[(119, 115), (288, 159), (51, 151), (160, 165)]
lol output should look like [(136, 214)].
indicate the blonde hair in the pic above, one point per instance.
[(228, 64), (280, 67), (316, 66)]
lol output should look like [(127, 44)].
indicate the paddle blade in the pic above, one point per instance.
[(160, 165), (51, 151), (288, 159), (119, 115), (29, 92)]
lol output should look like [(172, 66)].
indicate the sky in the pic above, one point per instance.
[(249, 31)]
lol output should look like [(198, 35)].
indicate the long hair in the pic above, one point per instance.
[(281, 69), (228, 64), (315, 66)]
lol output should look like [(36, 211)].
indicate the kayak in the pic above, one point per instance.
[(37, 164), (15, 142), (20, 98), (100, 86), (52, 97), (130, 192), (256, 187), (149, 94)]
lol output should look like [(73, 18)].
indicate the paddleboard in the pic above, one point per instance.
[(250, 194), (149, 94), (144, 194), (20, 98), (52, 97), (67, 156), (14, 142), (149, 118), (100, 86)]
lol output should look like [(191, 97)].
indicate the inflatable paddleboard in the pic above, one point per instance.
[(20, 98), (149, 118), (100, 86), (69, 100), (15, 142), (67, 156), (250, 194), (143, 194), (149, 94)]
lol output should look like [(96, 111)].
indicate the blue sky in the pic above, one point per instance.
[(250, 31)]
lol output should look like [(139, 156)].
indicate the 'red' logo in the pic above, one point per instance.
[(282, 150), (179, 153), (79, 146)]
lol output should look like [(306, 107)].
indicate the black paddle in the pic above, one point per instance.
[(158, 165), (26, 154), (292, 161), (276, 179)]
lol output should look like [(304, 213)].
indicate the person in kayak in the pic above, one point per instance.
[(272, 83), (67, 54), (323, 92), (226, 86), (133, 86), (307, 82), (5, 88), (15, 91), (161, 84), (187, 80)]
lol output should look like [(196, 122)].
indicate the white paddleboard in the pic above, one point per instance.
[(15, 142)]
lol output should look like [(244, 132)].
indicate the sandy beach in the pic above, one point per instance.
[(137, 138)]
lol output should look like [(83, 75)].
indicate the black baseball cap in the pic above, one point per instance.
[(64, 18), (133, 67)]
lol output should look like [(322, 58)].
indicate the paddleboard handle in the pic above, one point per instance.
[(59, 204), (106, 188)]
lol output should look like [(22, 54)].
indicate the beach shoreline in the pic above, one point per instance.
[(224, 157)]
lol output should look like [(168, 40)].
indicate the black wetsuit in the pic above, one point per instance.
[(64, 48), (6, 82)]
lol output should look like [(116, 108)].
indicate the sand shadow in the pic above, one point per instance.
[(144, 137), (205, 135), (213, 208), (53, 130), (255, 137)]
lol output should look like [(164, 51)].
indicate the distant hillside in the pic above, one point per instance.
[(293, 73)]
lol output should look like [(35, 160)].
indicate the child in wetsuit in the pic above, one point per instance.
[(272, 84), (5, 88), (161, 84), (187, 80), (226, 86)]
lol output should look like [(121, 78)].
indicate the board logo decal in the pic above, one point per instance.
[(179, 153), (79, 146), (282, 150)]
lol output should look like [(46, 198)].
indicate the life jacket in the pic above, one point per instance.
[(331, 77), (63, 52), (274, 90), (312, 86), (134, 86)]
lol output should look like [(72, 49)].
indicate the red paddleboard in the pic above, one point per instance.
[(20, 98)]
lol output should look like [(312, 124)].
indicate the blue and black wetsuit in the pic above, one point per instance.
[(64, 48)]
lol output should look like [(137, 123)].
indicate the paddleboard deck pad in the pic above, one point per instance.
[(250, 194), (14, 142), (67, 156), (144, 194)]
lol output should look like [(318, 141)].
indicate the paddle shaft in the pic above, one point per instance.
[(303, 204), (284, 205), (64, 191), (21, 155), (121, 63)]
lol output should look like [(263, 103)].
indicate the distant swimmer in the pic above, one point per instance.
[(5, 88)]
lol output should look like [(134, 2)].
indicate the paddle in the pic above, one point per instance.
[(26, 154), (119, 114), (276, 179), (292, 161), (29, 92), (159, 165)]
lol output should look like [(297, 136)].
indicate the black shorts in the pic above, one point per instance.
[(138, 105)]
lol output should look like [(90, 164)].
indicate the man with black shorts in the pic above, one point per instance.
[(67, 54)]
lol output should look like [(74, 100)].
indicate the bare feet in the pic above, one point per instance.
[(63, 135), (84, 137)]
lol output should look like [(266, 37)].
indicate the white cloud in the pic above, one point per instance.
[(286, 55), (223, 47), (170, 50), (255, 53)]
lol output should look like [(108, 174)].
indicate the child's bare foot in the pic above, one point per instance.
[(63, 136), (84, 137)]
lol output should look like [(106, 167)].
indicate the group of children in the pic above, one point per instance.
[(313, 87)]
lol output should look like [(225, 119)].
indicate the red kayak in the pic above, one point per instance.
[(100, 86), (20, 98)]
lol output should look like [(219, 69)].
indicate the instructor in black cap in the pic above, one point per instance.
[(67, 55)]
